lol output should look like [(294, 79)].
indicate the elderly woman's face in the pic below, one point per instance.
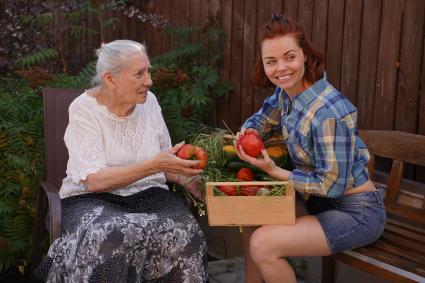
[(133, 82)]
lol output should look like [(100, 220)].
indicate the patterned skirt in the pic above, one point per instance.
[(150, 236)]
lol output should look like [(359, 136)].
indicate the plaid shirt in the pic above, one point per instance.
[(319, 128)]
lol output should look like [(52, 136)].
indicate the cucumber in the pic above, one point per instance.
[(236, 165), (261, 176)]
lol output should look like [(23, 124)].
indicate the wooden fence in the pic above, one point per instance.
[(374, 51)]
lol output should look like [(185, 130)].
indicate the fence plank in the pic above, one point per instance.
[(249, 51), (420, 171), (291, 9), (334, 41), (205, 10), (276, 7), (236, 66), (421, 123), (389, 46), (319, 31), (214, 6), (351, 45), (305, 16), (147, 27), (409, 73), (223, 103), (368, 62), (263, 15)]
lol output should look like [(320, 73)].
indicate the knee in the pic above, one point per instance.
[(260, 247)]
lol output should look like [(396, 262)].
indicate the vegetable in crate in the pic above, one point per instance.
[(245, 174), (277, 154), (228, 190)]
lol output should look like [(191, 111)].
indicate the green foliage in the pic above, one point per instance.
[(38, 57), (186, 79), (21, 167)]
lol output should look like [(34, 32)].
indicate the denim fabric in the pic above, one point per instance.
[(350, 221)]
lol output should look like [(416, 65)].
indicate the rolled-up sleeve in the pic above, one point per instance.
[(334, 145), (268, 116)]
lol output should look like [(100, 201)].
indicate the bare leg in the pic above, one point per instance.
[(252, 274), (270, 244)]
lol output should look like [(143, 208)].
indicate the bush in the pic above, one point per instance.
[(186, 79), (21, 168)]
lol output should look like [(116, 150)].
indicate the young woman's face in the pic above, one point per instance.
[(283, 62), (134, 81)]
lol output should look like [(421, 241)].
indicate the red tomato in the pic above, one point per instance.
[(202, 156), (186, 151), (228, 190), (189, 151), (251, 144), (245, 174), (249, 190)]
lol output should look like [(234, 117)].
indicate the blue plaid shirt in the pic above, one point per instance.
[(320, 129)]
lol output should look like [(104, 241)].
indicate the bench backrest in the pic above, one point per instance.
[(401, 147), (56, 103)]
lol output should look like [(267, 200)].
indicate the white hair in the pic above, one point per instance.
[(115, 56)]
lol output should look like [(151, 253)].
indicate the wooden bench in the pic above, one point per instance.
[(399, 255)]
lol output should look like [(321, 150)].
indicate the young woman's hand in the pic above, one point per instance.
[(245, 131), (265, 163)]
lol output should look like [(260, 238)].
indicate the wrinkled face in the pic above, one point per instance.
[(133, 82), (283, 62)]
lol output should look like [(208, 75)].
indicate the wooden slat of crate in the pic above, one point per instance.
[(250, 210)]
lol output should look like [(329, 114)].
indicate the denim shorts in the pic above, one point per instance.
[(350, 221)]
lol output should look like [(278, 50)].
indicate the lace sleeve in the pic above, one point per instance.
[(84, 141)]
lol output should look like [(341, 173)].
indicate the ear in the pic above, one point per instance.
[(109, 80)]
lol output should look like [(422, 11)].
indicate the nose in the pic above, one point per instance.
[(148, 81), (281, 65)]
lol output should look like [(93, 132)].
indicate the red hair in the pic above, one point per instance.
[(280, 25)]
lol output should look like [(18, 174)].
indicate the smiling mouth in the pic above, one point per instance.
[(284, 78)]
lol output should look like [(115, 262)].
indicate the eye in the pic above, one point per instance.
[(270, 63), (290, 58)]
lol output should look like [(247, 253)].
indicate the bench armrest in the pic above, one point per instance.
[(54, 201)]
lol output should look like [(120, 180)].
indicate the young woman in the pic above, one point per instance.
[(320, 129), (120, 222)]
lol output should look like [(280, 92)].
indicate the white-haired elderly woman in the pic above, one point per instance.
[(121, 223)]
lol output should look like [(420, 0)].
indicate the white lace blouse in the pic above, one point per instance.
[(97, 138)]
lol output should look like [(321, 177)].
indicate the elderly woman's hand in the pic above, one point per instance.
[(167, 161), (193, 185)]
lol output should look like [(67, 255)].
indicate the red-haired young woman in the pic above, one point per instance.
[(319, 127)]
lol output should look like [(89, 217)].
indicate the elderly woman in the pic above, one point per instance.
[(120, 221)]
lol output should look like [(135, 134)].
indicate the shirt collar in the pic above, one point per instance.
[(303, 99)]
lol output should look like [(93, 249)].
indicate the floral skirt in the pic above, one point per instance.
[(150, 236)]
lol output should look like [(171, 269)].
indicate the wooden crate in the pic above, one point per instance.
[(250, 210)]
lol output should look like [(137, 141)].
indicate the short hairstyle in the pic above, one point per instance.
[(115, 56), (280, 25)]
